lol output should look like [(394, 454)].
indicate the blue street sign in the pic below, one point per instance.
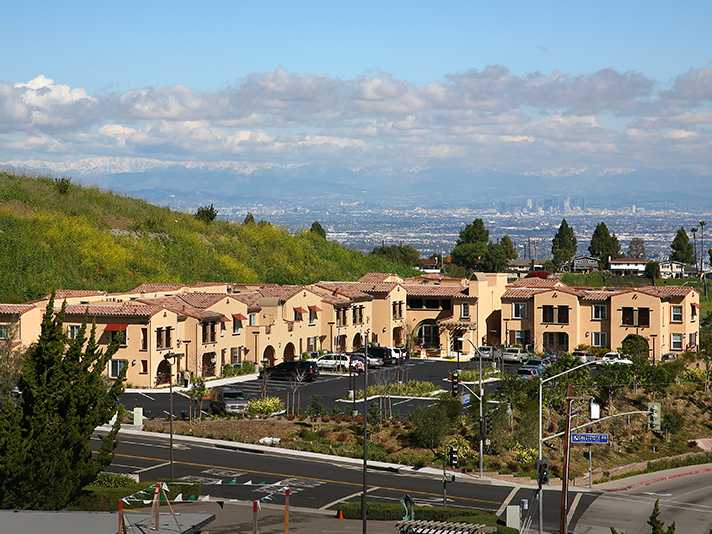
[(599, 439)]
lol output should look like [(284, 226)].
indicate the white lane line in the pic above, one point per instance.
[(342, 499), (132, 467), (507, 500), (572, 509), (147, 396), (152, 467), (182, 394)]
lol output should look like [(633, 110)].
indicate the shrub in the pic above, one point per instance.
[(245, 368), (112, 480), (266, 406), (63, 185), (473, 375), (410, 457), (524, 456), (411, 388), (207, 214), (316, 407)]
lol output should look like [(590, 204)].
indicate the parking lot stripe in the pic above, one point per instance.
[(342, 499), (152, 467), (506, 501)]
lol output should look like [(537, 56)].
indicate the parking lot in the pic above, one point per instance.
[(328, 387)]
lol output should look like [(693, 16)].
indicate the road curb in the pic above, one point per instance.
[(264, 449), (645, 483)]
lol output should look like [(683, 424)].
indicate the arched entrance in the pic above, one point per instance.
[(269, 354), (398, 336), (556, 342), (358, 341), (208, 362), (428, 334), (289, 352), (635, 345), (163, 374)]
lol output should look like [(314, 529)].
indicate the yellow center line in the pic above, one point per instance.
[(288, 475)]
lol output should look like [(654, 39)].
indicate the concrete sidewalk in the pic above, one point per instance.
[(217, 382), (648, 479)]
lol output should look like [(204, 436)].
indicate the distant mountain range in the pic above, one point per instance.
[(225, 182)]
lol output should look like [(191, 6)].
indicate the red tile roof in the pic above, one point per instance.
[(153, 288), (15, 309), (280, 292), (376, 278), (114, 309), (664, 292), (178, 305), (597, 295), (332, 297), (350, 290), (425, 290), (522, 292), (202, 300), (538, 282), (251, 298), (69, 293)]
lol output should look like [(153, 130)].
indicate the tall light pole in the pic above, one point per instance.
[(702, 245), (168, 357), (481, 398), (543, 381), (694, 247), (364, 522)]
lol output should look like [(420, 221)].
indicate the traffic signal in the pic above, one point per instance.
[(542, 472), (455, 383), (654, 418), (452, 457), (489, 423)]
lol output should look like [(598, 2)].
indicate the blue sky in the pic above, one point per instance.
[(100, 45), (377, 88)]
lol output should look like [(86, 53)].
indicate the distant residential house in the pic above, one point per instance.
[(521, 266), (429, 265), (622, 266), (584, 264), (672, 269)]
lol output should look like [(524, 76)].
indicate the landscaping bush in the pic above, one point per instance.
[(112, 480), (473, 375), (266, 406), (409, 457), (245, 368), (411, 388)]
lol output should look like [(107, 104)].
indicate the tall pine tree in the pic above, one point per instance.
[(475, 232), (563, 246), (45, 448), (682, 249), (510, 250), (604, 245)]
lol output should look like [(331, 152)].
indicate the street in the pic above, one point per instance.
[(243, 475)]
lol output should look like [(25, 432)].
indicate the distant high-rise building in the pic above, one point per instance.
[(530, 204)]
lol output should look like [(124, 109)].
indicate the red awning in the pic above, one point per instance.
[(299, 309), (116, 327), (314, 308), (239, 317)]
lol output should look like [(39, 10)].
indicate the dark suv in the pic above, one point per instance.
[(297, 371)]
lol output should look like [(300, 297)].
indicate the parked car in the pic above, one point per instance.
[(583, 356), (388, 355), (488, 353), (528, 372), (228, 400), (403, 351), (333, 362), (534, 362), (299, 371), (613, 358), (514, 354), (668, 356), (372, 360)]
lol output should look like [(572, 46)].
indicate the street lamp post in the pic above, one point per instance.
[(481, 399), (542, 381), (168, 357), (364, 522)]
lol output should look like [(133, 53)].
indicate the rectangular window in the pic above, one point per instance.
[(599, 339), (144, 339), (432, 304), (297, 315), (116, 366), (222, 328), (693, 312), (519, 310), (160, 344), (599, 312), (676, 341), (311, 344), (119, 336), (144, 367), (253, 319), (235, 355), (676, 314), (446, 304), (521, 337), (415, 303), (73, 331), (562, 314), (644, 317), (312, 316), (465, 310), (628, 317), (693, 339), (354, 313), (4, 331), (236, 326), (547, 314)]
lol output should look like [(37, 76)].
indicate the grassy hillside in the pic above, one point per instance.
[(87, 238)]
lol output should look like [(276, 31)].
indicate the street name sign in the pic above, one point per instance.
[(600, 439)]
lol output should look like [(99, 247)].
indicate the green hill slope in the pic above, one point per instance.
[(87, 238)]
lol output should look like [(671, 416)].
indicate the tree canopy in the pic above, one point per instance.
[(404, 254), (318, 229), (636, 248), (475, 232), (682, 249), (45, 435), (652, 271), (249, 218), (207, 214), (563, 246), (604, 245), (510, 251)]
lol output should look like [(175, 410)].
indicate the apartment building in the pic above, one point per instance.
[(20, 324), (549, 316)]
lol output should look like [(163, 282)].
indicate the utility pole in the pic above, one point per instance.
[(563, 523)]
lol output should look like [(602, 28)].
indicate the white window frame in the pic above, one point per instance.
[(5, 331), (73, 331), (521, 306), (236, 327), (465, 310), (520, 334), (313, 317), (235, 356), (601, 316), (253, 319), (680, 337), (673, 314), (120, 364), (599, 339)]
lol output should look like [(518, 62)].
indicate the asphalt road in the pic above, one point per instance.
[(327, 387), (244, 475)]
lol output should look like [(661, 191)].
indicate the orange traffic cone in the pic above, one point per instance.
[(340, 514)]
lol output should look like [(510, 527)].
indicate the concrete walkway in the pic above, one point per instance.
[(214, 383)]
